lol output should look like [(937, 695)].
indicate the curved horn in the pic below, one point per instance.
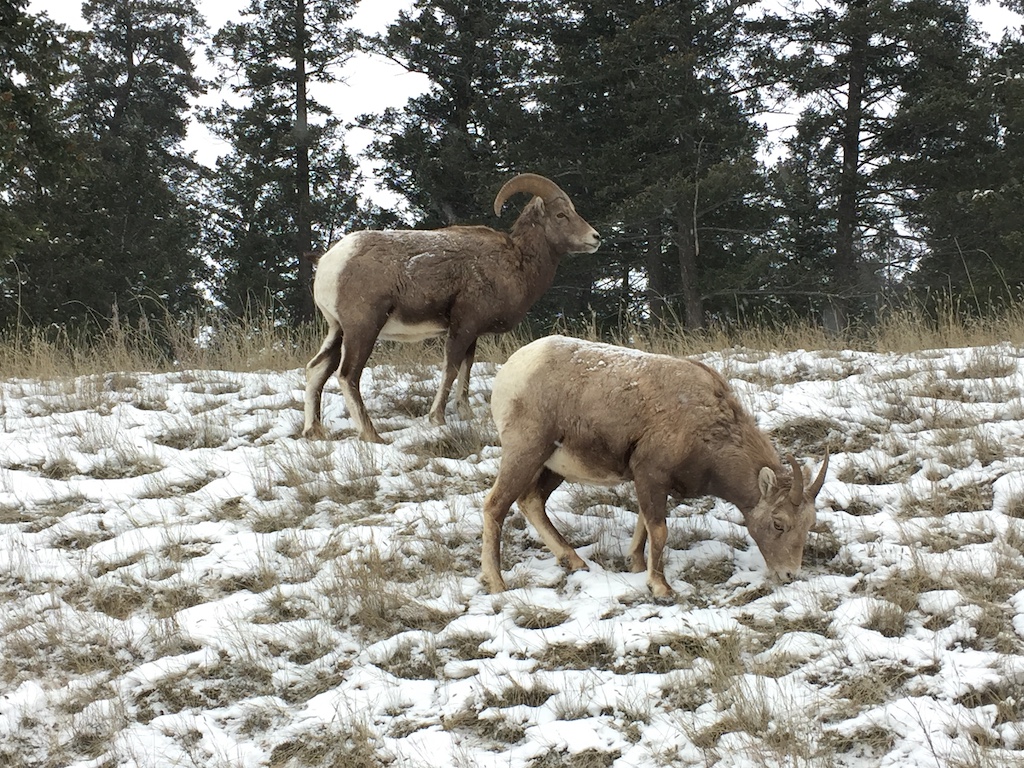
[(533, 183), (796, 492), (820, 479)]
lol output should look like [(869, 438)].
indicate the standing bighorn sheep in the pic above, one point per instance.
[(600, 414), (459, 282)]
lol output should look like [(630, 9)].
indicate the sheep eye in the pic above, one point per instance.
[(562, 216), (779, 527)]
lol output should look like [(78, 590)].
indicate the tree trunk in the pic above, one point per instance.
[(657, 279), (849, 180), (304, 235), (689, 251)]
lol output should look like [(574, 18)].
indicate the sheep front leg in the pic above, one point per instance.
[(653, 500)]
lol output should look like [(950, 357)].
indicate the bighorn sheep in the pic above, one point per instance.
[(411, 285), (600, 414)]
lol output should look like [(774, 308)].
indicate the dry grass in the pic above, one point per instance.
[(255, 343)]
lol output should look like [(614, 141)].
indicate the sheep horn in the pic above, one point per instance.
[(820, 479), (796, 492), (533, 183)]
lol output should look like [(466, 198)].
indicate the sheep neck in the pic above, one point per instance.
[(539, 260), (739, 489), (735, 479)]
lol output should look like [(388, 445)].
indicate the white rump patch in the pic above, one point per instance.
[(396, 330), (514, 380)]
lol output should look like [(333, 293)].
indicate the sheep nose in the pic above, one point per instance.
[(785, 574)]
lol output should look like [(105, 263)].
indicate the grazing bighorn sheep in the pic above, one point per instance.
[(411, 285), (600, 414)]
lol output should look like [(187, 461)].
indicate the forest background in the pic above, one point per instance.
[(901, 182)]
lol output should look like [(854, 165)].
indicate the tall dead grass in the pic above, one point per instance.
[(257, 342)]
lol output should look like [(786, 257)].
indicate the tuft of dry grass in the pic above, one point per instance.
[(529, 616), (810, 436), (347, 745), (595, 654), (941, 500), (588, 758), (515, 694)]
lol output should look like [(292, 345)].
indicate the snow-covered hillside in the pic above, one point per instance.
[(184, 582)]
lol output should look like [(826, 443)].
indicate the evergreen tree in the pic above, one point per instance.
[(287, 184), (644, 103), (443, 151), (804, 231), (857, 65), (34, 151), (120, 222), (968, 177)]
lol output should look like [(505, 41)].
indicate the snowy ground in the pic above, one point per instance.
[(183, 582)]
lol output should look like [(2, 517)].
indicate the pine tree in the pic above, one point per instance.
[(857, 65), (804, 231), (287, 184), (443, 151), (120, 221), (967, 173), (135, 85), (34, 150), (643, 103)]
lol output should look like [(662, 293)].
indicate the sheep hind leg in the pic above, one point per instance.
[(353, 359), (532, 503), (318, 371), (635, 557), (517, 472)]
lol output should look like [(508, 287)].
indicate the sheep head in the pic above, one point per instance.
[(782, 518), (563, 227)]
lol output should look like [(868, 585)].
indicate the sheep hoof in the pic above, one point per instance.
[(372, 437), (662, 591), (573, 562), (637, 565), (493, 585), (315, 432), (437, 418)]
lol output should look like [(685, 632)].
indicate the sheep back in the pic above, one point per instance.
[(608, 408), (420, 275)]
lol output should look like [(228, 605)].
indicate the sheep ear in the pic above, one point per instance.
[(767, 481)]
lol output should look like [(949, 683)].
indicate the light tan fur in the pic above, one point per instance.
[(457, 282), (597, 413)]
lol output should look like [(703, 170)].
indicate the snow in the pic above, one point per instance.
[(185, 581)]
